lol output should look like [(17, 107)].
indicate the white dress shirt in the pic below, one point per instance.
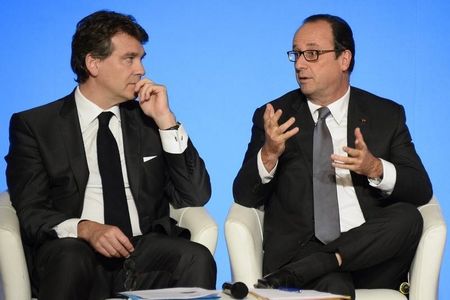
[(350, 214), (173, 141)]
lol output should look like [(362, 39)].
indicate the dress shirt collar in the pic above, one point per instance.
[(88, 111), (338, 108)]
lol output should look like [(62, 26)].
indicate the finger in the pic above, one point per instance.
[(270, 117), (120, 243), (138, 91), (126, 243), (146, 92), (154, 89), (343, 162), (144, 81), (106, 241), (102, 251), (145, 88), (276, 116), (266, 115), (140, 84), (342, 165), (339, 159), (351, 151), (120, 250), (269, 108), (290, 133), (109, 247), (358, 133), (283, 127), (359, 139)]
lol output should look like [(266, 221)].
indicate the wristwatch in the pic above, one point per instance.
[(174, 127), (375, 180)]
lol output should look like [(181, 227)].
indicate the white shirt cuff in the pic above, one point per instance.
[(266, 177), (68, 228), (174, 141), (386, 184)]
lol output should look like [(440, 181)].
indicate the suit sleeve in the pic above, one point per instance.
[(189, 183), (28, 184), (248, 189), (413, 184)]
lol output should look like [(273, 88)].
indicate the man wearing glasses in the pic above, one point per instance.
[(337, 173)]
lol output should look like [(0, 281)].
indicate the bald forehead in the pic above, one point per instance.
[(314, 34)]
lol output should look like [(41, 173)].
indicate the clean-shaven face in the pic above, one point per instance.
[(326, 79), (119, 72)]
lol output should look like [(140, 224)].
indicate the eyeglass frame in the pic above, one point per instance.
[(318, 53)]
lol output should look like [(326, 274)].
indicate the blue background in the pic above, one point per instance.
[(222, 59)]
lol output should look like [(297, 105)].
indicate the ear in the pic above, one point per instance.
[(346, 58), (92, 64)]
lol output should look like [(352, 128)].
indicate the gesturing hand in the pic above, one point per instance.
[(108, 240), (154, 102), (360, 160), (276, 136)]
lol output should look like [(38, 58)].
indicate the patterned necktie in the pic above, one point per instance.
[(326, 210), (114, 199)]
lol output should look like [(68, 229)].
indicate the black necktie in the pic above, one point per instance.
[(114, 199), (326, 210)]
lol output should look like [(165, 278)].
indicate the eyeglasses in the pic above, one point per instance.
[(309, 55)]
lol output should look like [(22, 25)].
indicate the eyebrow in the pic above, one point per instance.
[(134, 54), (307, 45)]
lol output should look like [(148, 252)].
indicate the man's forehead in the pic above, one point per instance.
[(314, 34), (124, 43)]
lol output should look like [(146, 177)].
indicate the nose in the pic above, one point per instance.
[(301, 63), (140, 70)]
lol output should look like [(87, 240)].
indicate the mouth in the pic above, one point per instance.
[(301, 76), (303, 79)]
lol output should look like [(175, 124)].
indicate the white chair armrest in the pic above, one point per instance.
[(244, 235), (425, 269), (378, 294), (13, 267), (202, 226)]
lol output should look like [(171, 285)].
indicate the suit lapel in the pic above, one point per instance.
[(132, 148), (304, 121), (356, 118), (73, 141)]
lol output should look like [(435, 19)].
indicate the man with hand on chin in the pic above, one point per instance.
[(91, 176)]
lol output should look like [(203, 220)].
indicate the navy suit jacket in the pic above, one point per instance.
[(288, 197), (47, 170)]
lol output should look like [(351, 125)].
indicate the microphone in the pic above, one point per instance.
[(237, 290)]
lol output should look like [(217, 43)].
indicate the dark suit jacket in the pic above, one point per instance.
[(288, 197), (47, 170)]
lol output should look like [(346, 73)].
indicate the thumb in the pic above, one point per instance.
[(359, 139)]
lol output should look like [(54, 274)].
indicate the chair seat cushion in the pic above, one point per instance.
[(379, 294)]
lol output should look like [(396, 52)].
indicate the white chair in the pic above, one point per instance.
[(13, 268), (244, 235)]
